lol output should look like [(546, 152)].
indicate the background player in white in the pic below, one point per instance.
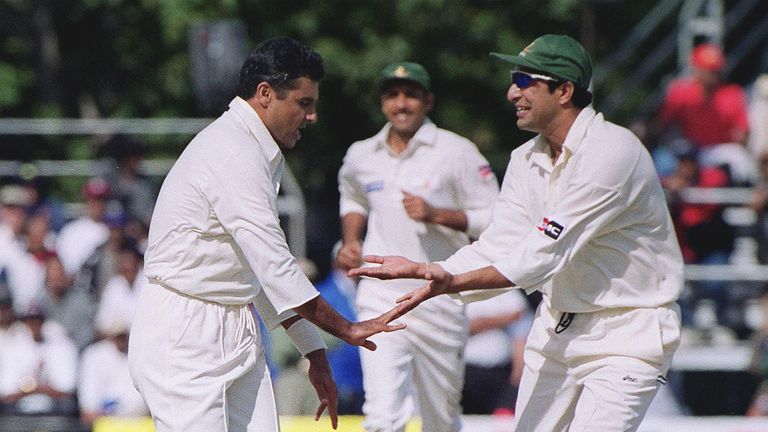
[(581, 217), (423, 191), (215, 245)]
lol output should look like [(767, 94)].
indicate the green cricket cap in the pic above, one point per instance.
[(406, 71), (558, 55)]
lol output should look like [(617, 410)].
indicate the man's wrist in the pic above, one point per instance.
[(306, 337)]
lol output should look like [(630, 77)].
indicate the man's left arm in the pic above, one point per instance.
[(310, 344)]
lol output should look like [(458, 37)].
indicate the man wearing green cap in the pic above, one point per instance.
[(582, 218), (422, 191)]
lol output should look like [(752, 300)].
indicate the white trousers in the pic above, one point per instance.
[(600, 373), (421, 367), (200, 366)]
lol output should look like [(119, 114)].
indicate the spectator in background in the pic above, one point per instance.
[(130, 187), (758, 117), (22, 272), (42, 204), (709, 113), (79, 238), (68, 305), (105, 387), (121, 294), (759, 204), (488, 354), (703, 234), (38, 368), (40, 241), (101, 265), (8, 324)]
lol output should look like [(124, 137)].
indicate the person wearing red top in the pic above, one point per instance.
[(706, 110)]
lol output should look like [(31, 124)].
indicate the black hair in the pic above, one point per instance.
[(279, 61), (581, 96)]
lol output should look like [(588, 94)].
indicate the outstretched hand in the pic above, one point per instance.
[(392, 267), (361, 331), (397, 267)]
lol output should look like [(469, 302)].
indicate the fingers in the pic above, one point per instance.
[(374, 259), (395, 327), (321, 408), (369, 345), (332, 413)]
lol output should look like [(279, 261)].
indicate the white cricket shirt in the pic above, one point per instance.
[(440, 166), (215, 233), (591, 231)]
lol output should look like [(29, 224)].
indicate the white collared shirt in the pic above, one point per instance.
[(441, 167), (591, 231), (215, 232)]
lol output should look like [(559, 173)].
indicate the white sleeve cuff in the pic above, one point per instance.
[(305, 337)]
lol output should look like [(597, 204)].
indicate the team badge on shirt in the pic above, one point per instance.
[(550, 228), (485, 172), (374, 186)]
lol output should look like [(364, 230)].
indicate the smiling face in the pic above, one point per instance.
[(286, 113), (536, 107), (406, 105)]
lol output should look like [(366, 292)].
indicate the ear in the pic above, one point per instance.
[(264, 94), (430, 101), (567, 89)]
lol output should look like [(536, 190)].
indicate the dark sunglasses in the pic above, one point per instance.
[(524, 80)]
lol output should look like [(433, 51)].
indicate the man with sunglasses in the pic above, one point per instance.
[(582, 218), (422, 191)]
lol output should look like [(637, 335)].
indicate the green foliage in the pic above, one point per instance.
[(129, 58)]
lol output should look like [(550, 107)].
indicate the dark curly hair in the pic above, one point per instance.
[(279, 61)]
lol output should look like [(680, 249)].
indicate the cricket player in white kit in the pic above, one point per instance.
[(216, 250), (422, 191), (581, 217)]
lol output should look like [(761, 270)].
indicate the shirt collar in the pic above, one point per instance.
[(539, 151), (426, 135), (258, 129)]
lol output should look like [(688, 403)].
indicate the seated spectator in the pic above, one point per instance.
[(120, 296), (704, 236), (709, 113), (9, 326), (22, 272), (79, 238), (488, 354), (38, 369), (134, 191), (44, 205), (759, 204), (40, 240), (105, 387), (758, 117), (70, 306), (101, 265)]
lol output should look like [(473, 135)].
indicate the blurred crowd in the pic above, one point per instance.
[(69, 280), (68, 288)]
